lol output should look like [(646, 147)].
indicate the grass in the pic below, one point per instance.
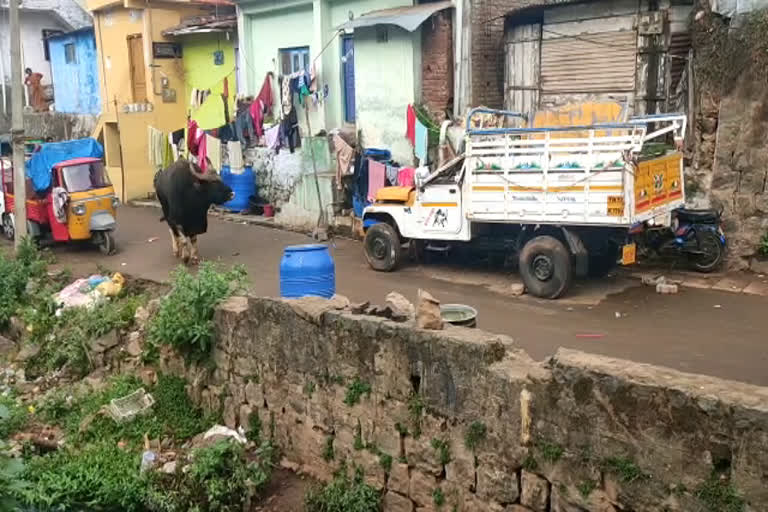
[(385, 461), (185, 317), (343, 494), (549, 451), (476, 434), (763, 247), (442, 450), (438, 497), (173, 414), (415, 410), (718, 495), (624, 468), (13, 416), (254, 427), (586, 487), (355, 390), (328, 452)]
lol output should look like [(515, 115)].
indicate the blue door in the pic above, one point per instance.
[(348, 69)]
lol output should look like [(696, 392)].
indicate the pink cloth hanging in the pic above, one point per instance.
[(202, 152), (405, 177), (377, 175)]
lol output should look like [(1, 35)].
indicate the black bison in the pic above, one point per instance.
[(186, 194)]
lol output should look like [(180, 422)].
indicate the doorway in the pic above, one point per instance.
[(136, 63), (348, 77)]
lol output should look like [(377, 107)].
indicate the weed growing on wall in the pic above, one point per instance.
[(343, 494), (624, 468), (442, 450), (763, 249), (718, 495), (551, 452), (438, 497), (185, 317), (476, 434), (355, 390)]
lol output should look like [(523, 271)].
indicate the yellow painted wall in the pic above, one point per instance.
[(201, 73), (113, 26)]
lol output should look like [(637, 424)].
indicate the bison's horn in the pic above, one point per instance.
[(196, 174)]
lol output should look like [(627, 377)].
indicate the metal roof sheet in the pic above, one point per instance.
[(408, 17)]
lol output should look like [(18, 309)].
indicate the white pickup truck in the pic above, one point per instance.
[(562, 199)]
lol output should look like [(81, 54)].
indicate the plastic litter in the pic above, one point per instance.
[(113, 287), (126, 408), (80, 293), (148, 460), (222, 431)]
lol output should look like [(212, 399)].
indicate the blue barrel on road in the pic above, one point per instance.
[(307, 270), (242, 184)]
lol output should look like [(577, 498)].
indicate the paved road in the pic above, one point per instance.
[(685, 331)]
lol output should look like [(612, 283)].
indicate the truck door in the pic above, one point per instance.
[(439, 210)]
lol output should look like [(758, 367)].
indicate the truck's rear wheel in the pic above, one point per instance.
[(382, 247), (545, 266)]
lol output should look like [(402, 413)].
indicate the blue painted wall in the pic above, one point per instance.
[(75, 84)]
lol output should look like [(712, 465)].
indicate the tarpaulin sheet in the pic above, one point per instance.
[(40, 165)]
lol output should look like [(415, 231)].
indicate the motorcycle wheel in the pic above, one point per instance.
[(713, 252)]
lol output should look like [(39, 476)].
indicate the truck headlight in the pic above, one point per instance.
[(78, 209)]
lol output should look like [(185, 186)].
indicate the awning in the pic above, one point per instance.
[(203, 25), (409, 18)]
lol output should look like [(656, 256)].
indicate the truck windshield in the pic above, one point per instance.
[(81, 177)]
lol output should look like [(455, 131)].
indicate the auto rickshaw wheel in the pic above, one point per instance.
[(105, 241), (9, 229)]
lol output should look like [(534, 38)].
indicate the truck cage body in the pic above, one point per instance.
[(589, 175)]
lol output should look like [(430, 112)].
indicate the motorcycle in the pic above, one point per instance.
[(696, 234)]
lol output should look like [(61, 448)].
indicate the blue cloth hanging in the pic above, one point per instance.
[(422, 142)]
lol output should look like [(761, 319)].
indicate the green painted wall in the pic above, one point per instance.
[(200, 72), (387, 79)]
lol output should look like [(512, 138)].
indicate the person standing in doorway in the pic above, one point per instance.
[(35, 89)]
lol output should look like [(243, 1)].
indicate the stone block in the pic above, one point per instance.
[(394, 502), (534, 491), (254, 394), (666, 289), (421, 487), (496, 480), (399, 478), (517, 508)]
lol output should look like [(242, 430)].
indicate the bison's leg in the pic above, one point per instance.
[(184, 242), (174, 242), (194, 257)]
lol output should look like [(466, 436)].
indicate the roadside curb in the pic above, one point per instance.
[(735, 282)]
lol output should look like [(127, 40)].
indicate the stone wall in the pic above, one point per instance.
[(467, 419)]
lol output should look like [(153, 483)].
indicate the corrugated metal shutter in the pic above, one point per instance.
[(600, 62), (679, 46)]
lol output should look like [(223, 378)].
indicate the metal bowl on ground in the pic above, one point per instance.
[(459, 315)]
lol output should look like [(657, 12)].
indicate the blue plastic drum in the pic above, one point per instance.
[(243, 185), (307, 270)]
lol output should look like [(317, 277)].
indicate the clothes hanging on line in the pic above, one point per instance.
[(289, 130), (227, 132), (392, 173), (344, 155), (405, 177), (257, 114), (422, 142), (272, 137), (202, 152), (157, 141), (410, 125), (377, 173), (235, 151), (213, 151), (244, 127), (265, 94), (174, 147), (192, 136)]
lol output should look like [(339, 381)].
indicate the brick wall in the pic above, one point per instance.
[(437, 63), (487, 18)]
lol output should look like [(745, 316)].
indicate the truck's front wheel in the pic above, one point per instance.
[(382, 247), (545, 266)]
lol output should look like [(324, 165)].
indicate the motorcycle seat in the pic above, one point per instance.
[(706, 216)]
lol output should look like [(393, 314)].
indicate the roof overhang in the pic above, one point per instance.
[(203, 25), (409, 18)]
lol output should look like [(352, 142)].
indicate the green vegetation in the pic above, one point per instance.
[(328, 452), (344, 494), (763, 248), (13, 416), (355, 390), (718, 495), (550, 452), (185, 317), (254, 427), (624, 468), (173, 414), (358, 443), (530, 464), (476, 434), (443, 450), (586, 487), (11, 482), (415, 410), (309, 388), (15, 273), (385, 461), (438, 497)]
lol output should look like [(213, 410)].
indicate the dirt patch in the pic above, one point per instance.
[(285, 492)]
